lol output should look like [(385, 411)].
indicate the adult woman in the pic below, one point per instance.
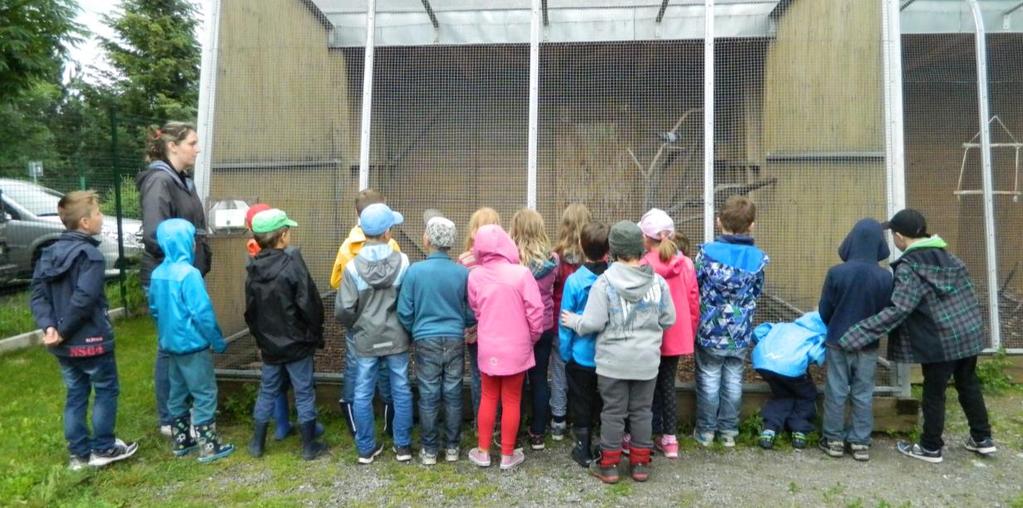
[(167, 191)]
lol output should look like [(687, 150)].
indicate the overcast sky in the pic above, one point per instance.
[(88, 53)]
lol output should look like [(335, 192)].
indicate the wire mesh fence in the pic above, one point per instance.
[(798, 126)]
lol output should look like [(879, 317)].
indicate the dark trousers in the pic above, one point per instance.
[(793, 403), (936, 375), (584, 402), (665, 406), (540, 392)]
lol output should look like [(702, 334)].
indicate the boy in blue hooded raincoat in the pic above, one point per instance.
[(187, 329), (781, 356)]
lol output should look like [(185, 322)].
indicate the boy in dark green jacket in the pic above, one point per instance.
[(937, 322)]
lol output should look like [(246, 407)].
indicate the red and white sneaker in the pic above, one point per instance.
[(667, 445)]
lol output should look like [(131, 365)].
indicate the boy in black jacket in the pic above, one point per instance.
[(284, 313), (69, 305)]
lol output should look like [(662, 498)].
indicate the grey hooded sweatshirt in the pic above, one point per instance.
[(367, 300), (629, 307)]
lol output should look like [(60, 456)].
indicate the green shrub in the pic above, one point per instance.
[(991, 372), (130, 202)]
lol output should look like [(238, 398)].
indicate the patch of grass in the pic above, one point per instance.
[(793, 488), (831, 494), (16, 315), (992, 373)]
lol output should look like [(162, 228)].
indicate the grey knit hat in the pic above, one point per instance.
[(441, 232), (626, 240)]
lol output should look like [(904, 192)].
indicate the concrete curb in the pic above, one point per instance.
[(34, 338)]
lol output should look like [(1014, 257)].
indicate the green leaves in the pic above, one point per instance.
[(34, 40)]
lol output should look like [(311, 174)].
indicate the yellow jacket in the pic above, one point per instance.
[(347, 252)]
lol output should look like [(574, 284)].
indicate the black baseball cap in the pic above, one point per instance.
[(909, 223)]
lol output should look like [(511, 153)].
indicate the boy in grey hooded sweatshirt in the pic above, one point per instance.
[(629, 307)]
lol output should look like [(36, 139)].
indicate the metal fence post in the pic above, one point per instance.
[(990, 243), (117, 206), (534, 104), (367, 95), (708, 121)]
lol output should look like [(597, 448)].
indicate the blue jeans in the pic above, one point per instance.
[(192, 376), (850, 377), (82, 376), (348, 383), (719, 390), (367, 372), (537, 379), (439, 365), (559, 383), (273, 383)]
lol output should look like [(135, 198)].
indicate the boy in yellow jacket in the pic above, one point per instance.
[(347, 252)]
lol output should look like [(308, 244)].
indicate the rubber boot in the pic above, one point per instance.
[(311, 448), (582, 453), (182, 437), (258, 442), (639, 462), (282, 425), (210, 447), (606, 466)]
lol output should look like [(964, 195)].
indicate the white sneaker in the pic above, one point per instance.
[(428, 459), (165, 430), (78, 463), (727, 440)]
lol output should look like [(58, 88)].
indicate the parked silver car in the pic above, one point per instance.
[(32, 224)]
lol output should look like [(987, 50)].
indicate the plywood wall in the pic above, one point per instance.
[(821, 93)]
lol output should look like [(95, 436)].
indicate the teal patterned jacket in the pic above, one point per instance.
[(730, 273)]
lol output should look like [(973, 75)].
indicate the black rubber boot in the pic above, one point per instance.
[(258, 442), (311, 448), (210, 446), (582, 452), (182, 437)]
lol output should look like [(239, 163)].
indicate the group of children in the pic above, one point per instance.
[(608, 311)]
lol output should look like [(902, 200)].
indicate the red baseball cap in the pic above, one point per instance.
[(253, 210)]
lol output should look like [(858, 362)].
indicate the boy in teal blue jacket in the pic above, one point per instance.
[(584, 402), (187, 328), (782, 354)]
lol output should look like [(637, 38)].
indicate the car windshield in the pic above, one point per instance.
[(38, 200)]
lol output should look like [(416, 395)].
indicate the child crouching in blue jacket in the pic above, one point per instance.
[(781, 356), (187, 329)]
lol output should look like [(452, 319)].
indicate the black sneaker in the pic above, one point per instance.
[(367, 458), (983, 447), (919, 452), (119, 451), (536, 441), (402, 453)]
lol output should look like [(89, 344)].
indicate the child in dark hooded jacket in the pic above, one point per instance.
[(856, 289)]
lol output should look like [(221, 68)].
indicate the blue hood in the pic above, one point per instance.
[(736, 251), (177, 240), (865, 243)]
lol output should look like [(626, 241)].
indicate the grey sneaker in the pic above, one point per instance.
[(558, 429), (984, 447), (78, 463), (727, 440), (860, 452), (834, 449), (918, 452), (427, 458), (451, 455), (119, 451), (704, 438)]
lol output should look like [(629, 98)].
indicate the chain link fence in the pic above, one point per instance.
[(798, 125)]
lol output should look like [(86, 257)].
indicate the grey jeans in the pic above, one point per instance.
[(850, 377), (625, 398)]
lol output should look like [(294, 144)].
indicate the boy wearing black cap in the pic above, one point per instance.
[(629, 307), (937, 322)]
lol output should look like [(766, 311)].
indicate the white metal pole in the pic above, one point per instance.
[(708, 121), (534, 102), (367, 95), (990, 244), (207, 97), (895, 169)]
